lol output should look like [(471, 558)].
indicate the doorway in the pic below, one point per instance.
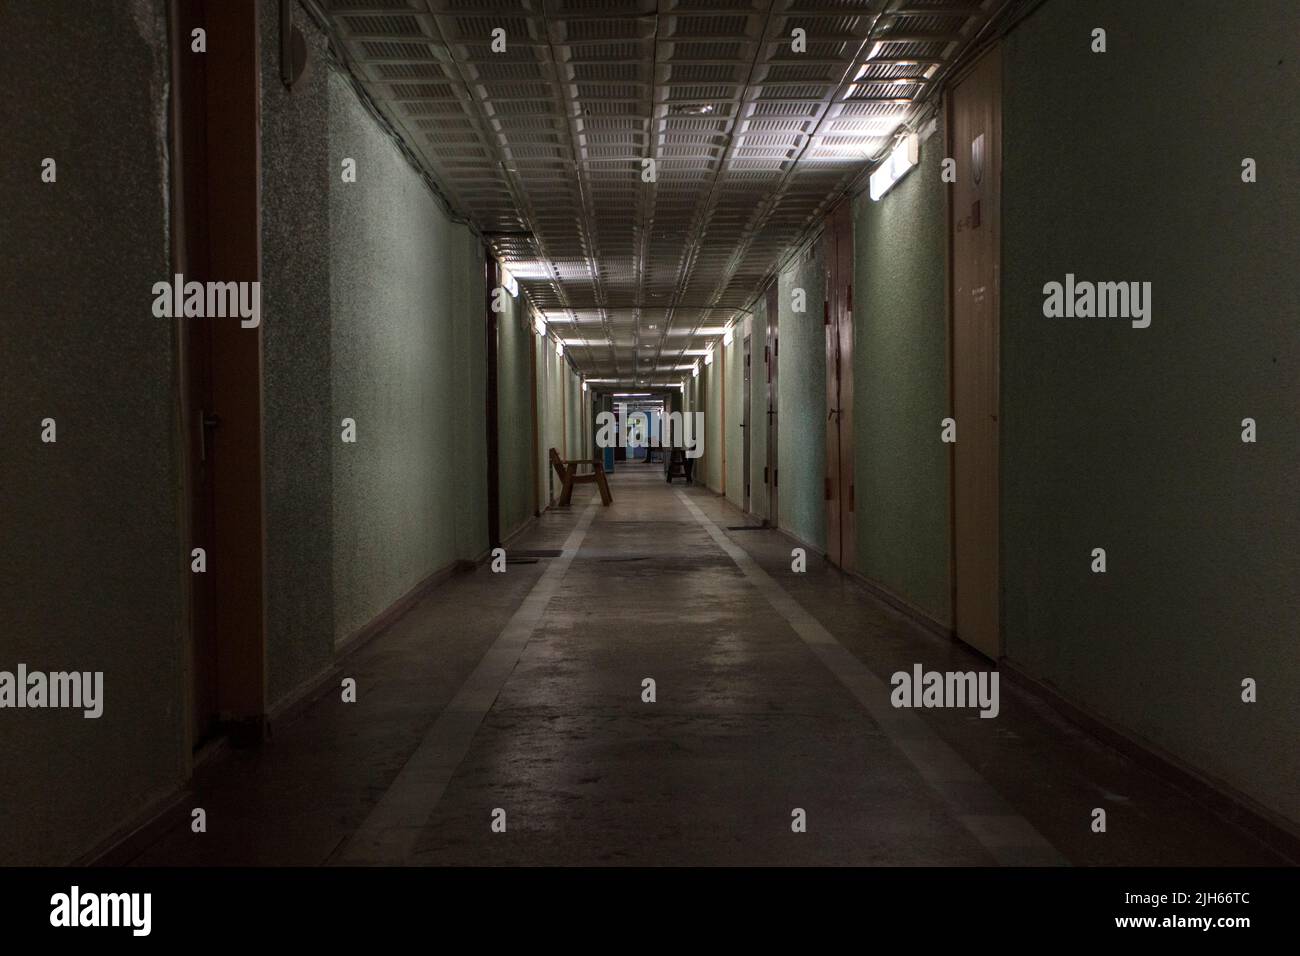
[(216, 236), (975, 131), (841, 536), (771, 353), (744, 426)]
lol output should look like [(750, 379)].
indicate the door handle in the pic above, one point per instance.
[(206, 421)]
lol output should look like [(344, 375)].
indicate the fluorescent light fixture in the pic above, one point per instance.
[(708, 359), (523, 269), (903, 157), (632, 394), (710, 330), (559, 347), (540, 325), (584, 386), (508, 280), (727, 336), (695, 370)]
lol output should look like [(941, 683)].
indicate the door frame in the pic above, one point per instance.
[(771, 355), (746, 388), (216, 235), (993, 55), (837, 317)]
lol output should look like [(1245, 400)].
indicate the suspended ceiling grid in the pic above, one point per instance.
[(543, 145)]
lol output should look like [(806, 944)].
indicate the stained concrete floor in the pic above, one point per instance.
[(522, 692)]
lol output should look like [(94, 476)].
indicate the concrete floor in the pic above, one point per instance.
[(523, 691)]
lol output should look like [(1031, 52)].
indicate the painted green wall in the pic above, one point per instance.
[(900, 386), (469, 378), (298, 173), (93, 566), (573, 412), (801, 420), (711, 379), (393, 372), (734, 382), (550, 414), (514, 416), (758, 410), (1127, 166)]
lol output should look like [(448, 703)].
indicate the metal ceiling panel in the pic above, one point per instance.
[(540, 136)]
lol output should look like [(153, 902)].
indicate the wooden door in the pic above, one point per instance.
[(975, 131), (772, 353), (216, 184), (745, 426), (838, 319)]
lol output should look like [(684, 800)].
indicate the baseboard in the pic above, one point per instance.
[(904, 606), (140, 832), (799, 542), (524, 527), (1224, 800)]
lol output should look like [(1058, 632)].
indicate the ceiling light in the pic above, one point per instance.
[(540, 325), (903, 157), (727, 336)]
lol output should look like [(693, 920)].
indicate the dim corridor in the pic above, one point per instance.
[(524, 692)]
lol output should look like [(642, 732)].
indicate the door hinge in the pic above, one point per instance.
[(826, 312), (828, 489), (766, 349), (776, 477), (764, 474)]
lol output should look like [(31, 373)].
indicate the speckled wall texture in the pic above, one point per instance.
[(758, 410), (299, 434), (1126, 166), (514, 416), (393, 346), (711, 387), (900, 386), (373, 311), (733, 356), (801, 424), (92, 566)]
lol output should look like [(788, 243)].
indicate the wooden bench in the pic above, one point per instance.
[(569, 477)]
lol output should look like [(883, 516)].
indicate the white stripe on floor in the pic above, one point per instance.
[(1009, 837), (390, 832)]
